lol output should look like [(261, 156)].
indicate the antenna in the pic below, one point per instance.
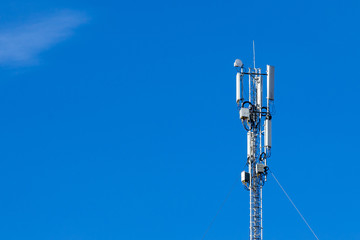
[(254, 52), (256, 120)]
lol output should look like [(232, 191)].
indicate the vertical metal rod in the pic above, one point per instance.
[(249, 85), (260, 86), (260, 147), (261, 213), (250, 185), (254, 51)]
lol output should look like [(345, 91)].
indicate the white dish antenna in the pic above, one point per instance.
[(238, 63)]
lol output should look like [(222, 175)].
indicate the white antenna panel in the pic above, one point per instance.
[(259, 91), (270, 82), (238, 87), (249, 144), (267, 135)]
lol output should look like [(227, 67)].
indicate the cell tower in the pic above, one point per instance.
[(256, 120)]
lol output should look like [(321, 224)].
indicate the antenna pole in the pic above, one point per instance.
[(256, 120), (254, 51)]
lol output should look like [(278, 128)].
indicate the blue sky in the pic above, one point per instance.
[(118, 118)]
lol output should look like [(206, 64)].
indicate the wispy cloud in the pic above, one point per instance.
[(20, 45)]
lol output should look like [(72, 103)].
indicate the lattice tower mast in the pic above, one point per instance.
[(256, 120)]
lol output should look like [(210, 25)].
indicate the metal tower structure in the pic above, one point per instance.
[(256, 119)]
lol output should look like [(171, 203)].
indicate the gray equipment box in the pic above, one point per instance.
[(245, 177), (244, 113), (260, 168)]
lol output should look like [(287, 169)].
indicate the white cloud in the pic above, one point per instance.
[(21, 44)]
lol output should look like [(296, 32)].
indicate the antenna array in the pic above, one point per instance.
[(256, 120)]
